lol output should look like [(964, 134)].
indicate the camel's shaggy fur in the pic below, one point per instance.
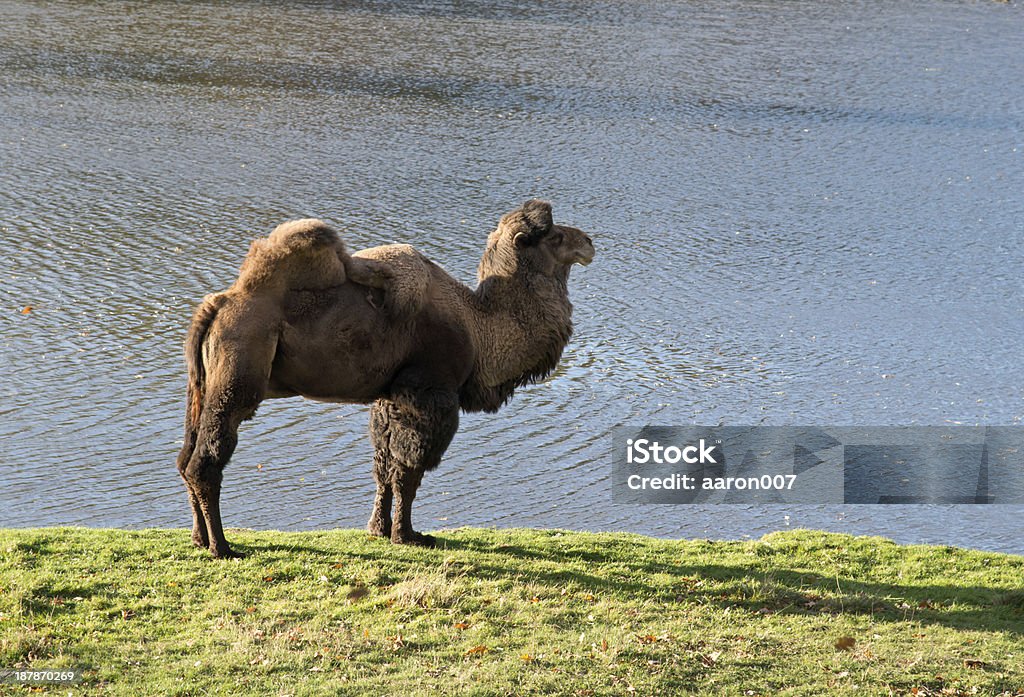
[(384, 326)]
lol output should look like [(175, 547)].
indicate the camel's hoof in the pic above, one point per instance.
[(416, 538), (227, 554), (378, 530), (200, 542)]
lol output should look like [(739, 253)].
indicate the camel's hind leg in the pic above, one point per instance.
[(217, 438), (200, 537), (200, 533), (233, 392), (410, 434)]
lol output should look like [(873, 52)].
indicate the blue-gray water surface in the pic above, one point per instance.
[(806, 213)]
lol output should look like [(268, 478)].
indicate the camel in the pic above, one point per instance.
[(386, 327)]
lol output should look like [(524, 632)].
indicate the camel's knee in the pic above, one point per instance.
[(203, 476), (209, 458)]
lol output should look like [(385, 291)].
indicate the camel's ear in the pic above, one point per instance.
[(530, 223), (537, 215)]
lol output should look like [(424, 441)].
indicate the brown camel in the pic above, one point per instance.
[(384, 326)]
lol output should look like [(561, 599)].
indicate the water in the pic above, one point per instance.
[(805, 214)]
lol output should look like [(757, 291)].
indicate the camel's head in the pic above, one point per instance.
[(528, 238)]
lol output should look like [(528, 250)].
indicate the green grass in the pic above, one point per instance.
[(509, 612)]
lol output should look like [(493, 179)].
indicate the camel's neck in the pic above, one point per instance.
[(522, 324)]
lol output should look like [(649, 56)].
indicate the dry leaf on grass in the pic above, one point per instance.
[(845, 643), (710, 659)]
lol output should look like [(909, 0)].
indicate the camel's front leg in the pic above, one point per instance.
[(405, 482), (380, 520), (410, 434)]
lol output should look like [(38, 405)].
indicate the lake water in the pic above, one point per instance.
[(806, 213)]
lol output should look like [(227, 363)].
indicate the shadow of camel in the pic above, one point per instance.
[(764, 584)]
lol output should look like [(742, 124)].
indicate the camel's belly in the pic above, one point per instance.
[(336, 347), (330, 371)]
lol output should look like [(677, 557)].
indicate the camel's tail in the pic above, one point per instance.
[(201, 321)]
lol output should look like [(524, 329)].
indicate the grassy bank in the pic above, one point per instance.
[(510, 612)]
